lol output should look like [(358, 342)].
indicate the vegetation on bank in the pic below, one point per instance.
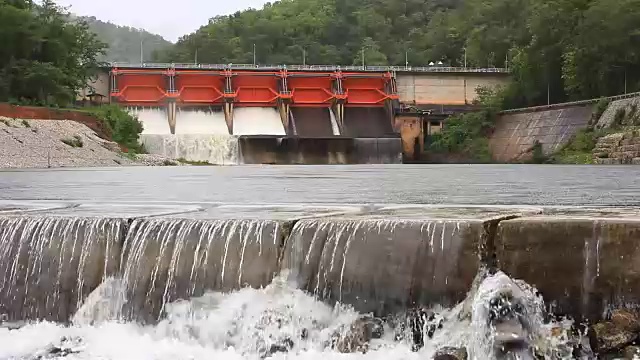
[(466, 135), (125, 128)]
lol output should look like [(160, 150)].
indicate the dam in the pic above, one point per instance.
[(361, 267), (254, 114)]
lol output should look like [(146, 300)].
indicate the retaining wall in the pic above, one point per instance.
[(516, 133)]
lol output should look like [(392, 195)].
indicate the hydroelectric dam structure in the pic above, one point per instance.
[(254, 114)]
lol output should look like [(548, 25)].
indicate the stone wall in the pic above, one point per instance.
[(629, 106), (619, 148)]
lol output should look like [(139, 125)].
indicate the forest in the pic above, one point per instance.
[(557, 50), (124, 42), (45, 58)]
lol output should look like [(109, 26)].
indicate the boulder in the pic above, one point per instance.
[(356, 338), (626, 319), (632, 352), (605, 337), (451, 353)]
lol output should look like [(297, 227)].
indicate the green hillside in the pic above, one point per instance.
[(124, 42)]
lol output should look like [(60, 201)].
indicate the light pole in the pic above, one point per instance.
[(363, 64), (141, 52), (254, 54), (304, 57), (406, 59)]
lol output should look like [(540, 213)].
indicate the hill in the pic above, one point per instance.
[(558, 50), (124, 42)]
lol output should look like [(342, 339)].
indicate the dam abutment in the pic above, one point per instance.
[(380, 260)]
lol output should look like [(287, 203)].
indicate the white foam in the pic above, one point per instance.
[(214, 149), (257, 121), (201, 122), (154, 120), (242, 325)]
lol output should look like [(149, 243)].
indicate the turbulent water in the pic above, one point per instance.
[(154, 120), (200, 122), (279, 321), (257, 121), (214, 149), (155, 301)]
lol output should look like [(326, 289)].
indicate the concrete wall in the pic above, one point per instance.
[(99, 85), (444, 88), (516, 132), (318, 151)]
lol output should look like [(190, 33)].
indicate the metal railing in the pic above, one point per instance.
[(571, 103), (438, 69)]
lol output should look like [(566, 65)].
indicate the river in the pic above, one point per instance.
[(398, 184)]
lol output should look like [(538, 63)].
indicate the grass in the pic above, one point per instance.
[(26, 124), (75, 142), (194, 163)]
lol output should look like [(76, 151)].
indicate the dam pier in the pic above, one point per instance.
[(248, 114)]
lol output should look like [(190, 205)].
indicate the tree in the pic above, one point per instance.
[(45, 59)]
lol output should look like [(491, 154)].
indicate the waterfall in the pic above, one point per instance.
[(154, 120), (164, 260), (214, 149), (257, 121), (167, 288), (339, 260), (48, 265)]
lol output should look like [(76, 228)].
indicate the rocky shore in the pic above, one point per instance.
[(62, 143)]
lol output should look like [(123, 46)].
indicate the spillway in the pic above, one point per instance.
[(154, 119), (313, 122), (262, 283), (257, 121), (213, 149), (201, 121), (367, 122)]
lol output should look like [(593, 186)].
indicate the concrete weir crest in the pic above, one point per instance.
[(379, 259)]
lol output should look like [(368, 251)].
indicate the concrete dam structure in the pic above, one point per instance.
[(224, 114), (140, 263)]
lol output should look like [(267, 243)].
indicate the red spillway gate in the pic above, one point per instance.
[(264, 88)]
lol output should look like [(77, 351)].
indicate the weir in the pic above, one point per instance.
[(159, 267)]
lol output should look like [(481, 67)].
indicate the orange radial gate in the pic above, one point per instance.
[(144, 86)]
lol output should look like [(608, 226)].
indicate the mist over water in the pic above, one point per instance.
[(257, 121), (154, 120), (277, 322)]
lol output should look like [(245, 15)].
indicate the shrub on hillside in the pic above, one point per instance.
[(125, 128)]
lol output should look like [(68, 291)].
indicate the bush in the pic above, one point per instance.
[(125, 128), (75, 142), (467, 134)]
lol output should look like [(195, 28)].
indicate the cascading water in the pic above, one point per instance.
[(154, 120), (257, 121), (64, 258), (200, 135), (180, 291), (214, 149), (201, 121)]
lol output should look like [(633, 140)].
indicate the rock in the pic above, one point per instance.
[(606, 336), (357, 337), (632, 353), (626, 319), (281, 347), (416, 324), (451, 353)]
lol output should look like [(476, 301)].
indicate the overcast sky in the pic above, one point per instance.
[(170, 19)]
